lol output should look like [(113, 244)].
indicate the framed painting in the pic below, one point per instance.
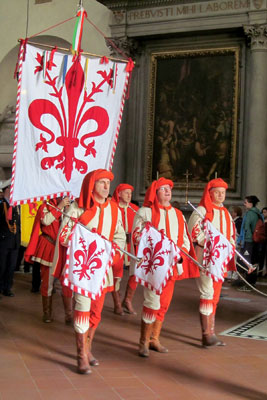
[(193, 109)]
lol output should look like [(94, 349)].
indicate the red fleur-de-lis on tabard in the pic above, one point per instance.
[(70, 117), (87, 259)]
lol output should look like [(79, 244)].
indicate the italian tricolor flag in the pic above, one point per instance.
[(78, 30)]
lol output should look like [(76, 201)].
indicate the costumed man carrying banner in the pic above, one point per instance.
[(41, 250), (219, 251), (171, 223), (122, 196), (94, 211)]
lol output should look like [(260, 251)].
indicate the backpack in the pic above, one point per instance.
[(259, 232)]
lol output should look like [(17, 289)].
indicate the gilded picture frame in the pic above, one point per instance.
[(193, 116)]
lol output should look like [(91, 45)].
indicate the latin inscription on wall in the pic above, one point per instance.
[(189, 11)]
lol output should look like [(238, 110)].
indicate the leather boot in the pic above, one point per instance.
[(154, 343), (218, 342), (82, 360), (91, 359), (208, 336), (67, 302), (146, 330), (127, 302), (117, 303), (47, 309)]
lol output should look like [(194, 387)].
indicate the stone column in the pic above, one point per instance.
[(127, 147), (256, 161)]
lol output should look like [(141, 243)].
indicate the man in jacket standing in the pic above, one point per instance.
[(9, 240), (249, 249)]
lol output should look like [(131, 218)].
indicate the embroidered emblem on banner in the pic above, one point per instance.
[(159, 254), (89, 257), (218, 251), (70, 115)]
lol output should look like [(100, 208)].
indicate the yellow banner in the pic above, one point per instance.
[(27, 216)]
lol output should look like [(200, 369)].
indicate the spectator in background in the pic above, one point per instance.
[(236, 213), (9, 240), (263, 247), (249, 249)]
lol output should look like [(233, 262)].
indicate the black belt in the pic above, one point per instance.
[(48, 238)]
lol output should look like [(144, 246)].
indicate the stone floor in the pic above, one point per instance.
[(38, 361)]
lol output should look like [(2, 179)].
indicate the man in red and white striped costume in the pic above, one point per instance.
[(41, 249), (122, 196), (158, 210), (211, 207), (96, 212)]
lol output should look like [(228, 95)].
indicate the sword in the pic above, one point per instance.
[(74, 219), (181, 250), (250, 266)]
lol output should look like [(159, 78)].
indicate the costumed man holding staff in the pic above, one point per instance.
[(158, 210), (41, 250), (122, 196), (93, 210), (211, 207)]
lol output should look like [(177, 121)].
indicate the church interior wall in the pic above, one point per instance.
[(156, 25), (139, 111)]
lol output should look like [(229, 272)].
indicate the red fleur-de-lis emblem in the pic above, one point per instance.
[(213, 249), (87, 259), (195, 232), (153, 256), (33, 208), (70, 118)]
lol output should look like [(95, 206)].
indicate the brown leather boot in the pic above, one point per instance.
[(47, 309), (82, 360), (117, 303), (146, 330), (218, 342), (127, 302), (208, 336), (67, 302), (91, 359), (154, 343)]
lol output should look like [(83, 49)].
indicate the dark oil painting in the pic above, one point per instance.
[(193, 116)]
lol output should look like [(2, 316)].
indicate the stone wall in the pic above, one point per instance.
[(165, 25)]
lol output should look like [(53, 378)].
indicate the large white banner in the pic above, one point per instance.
[(69, 111)]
